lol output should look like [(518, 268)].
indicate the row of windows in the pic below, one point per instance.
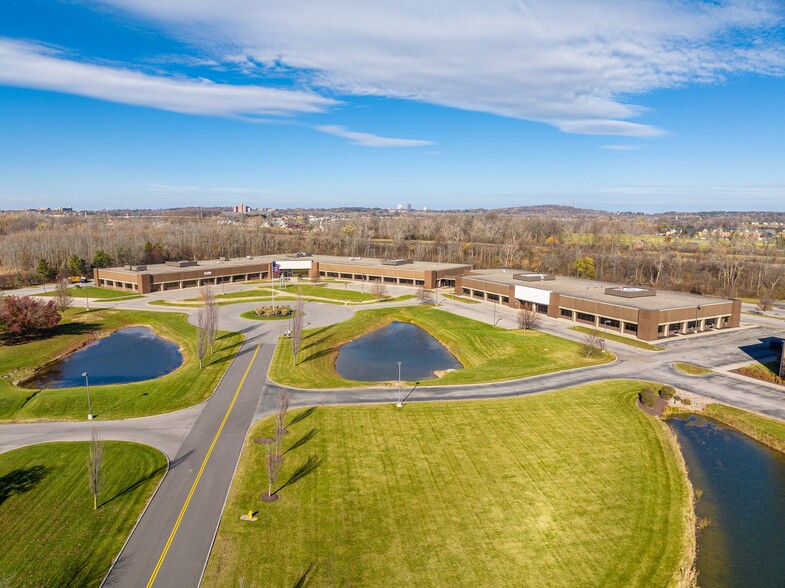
[(590, 318), (366, 277)]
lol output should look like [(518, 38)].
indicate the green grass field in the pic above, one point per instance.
[(487, 353), (97, 293), (49, 533), (691, 370), (184, 387), (617, 338), (340, 295), (570, 488)]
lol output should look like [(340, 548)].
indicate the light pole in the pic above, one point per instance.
[(89, 408), (695, 328), (87, 298), (399, 405)]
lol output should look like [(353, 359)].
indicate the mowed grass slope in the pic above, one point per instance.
[(184, 387), (569, 488), (487, 353), (82, 292), (49, 533)]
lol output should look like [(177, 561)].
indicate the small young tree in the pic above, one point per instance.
[(211, 316), (424, 296), (766, 303), (298, 322), (592, 344), (22, 316), (273, 461), (280, 417), (63, 298), (202, 338), (95, 462), (528, 319), (379, 290)]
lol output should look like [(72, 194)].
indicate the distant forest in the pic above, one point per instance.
[(734, 257)]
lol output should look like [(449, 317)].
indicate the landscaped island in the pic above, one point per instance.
[(488, 353), (184, 387), (576, 487), (50, 535)]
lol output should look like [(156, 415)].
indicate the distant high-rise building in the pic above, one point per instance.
[(241, 209), (409, 207)]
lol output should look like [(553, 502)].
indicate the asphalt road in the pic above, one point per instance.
[(172, 541)]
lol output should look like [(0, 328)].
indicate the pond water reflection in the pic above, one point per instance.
[(127, 355), (743, 485), (375, 357)]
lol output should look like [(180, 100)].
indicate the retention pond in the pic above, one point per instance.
[(375, 357), (743, 486), (128, 355)]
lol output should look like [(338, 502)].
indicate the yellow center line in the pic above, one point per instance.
[(199, 474)]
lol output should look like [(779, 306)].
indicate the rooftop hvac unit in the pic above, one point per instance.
[(138, 268)]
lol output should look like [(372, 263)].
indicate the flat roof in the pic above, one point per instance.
[(595, 290), (241, 262), (370, 262)]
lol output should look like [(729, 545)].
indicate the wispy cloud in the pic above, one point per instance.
[(369, 140), (35, 66), (574, 64), (623, 147)]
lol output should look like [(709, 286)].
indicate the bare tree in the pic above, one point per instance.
[(424, 296), (273, 461), (280, 416), (95, 462), (528, 319), (63, 298), (202, 338), (211, 316), (379, 290), (766, 303), (298, 322), (592, 344)]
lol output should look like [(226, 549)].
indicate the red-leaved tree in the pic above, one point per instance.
[(22, 316)]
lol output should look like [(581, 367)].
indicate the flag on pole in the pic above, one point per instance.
[(276, 268)]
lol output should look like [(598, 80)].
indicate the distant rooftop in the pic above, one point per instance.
[(607, 292)]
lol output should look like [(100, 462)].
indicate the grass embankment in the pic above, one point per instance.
[(768, 431), (49, 533), (570, 488), (183, 387), (690, 369), (460, 299), (617, 338), (487, 353), (93, 292)]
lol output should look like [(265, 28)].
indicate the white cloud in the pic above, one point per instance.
[(35, 66), (623, 147), (570, 63), (369, 140)]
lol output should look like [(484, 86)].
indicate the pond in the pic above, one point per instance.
[(127, 355), (743, 484), (375, 357)]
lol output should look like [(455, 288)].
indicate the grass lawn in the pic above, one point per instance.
[(569, 488), (308, 290), (49, 533), (692, 370), (184, 387), (96, 293), (617, 338), (460, 299), (488, 353)]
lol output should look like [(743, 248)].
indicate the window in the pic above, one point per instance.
[(421, 282), (632, 327), (505, 299), (543, 308), (566, 312), (582, 316), (606, 322), (467, 292), (661, 328), (493, 297)]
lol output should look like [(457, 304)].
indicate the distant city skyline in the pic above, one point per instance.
[(620, 106)]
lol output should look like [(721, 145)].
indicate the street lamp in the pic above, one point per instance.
[(87, 384), (695, 328), (399, 405)]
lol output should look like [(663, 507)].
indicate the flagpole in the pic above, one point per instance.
[(272, 282)]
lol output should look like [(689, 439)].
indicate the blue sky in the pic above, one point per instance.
[(618, 105)]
